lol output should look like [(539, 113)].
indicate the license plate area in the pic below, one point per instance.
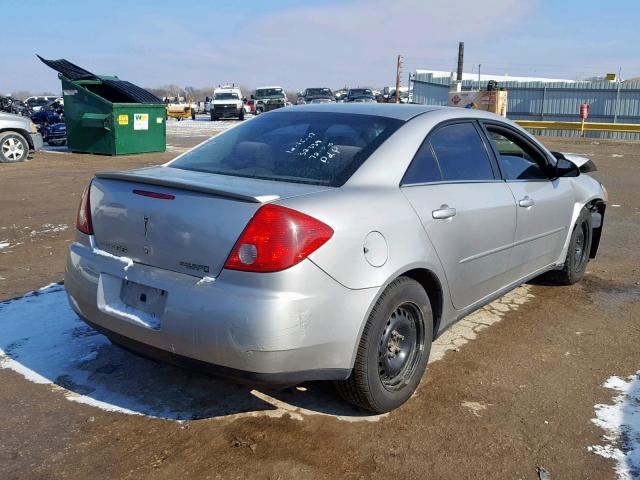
[(143, 298)]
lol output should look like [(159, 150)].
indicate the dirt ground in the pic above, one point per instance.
[(520, 395)]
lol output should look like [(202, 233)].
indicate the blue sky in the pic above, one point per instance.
[(313, 43)]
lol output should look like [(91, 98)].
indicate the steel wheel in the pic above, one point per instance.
[(400, 344), (393, 349)]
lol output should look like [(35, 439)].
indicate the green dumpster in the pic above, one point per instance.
[(109, 116)]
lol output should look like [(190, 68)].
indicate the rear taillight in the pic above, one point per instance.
[(277, 238), (83, 221)]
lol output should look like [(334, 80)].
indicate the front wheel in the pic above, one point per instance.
[(393, 350), (241, 116), (13, 147), (575, 264)]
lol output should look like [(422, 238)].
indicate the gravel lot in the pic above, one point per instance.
[(513, 387)]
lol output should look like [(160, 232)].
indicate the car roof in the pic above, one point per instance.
[(398, 111)]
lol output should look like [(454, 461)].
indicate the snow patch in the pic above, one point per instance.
[(42, 339), (4, 244), (128, 263), (206, 280), (621, 422), (48, 228)]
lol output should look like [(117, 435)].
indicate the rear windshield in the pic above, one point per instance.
[(360, 91), (270, 92), (319, 91), (321, 148)]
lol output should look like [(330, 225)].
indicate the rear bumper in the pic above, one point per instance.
[(279, 328), (241, 376)]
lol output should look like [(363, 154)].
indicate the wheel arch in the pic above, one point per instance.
[(21, 132), (596, 206), (432, 286)]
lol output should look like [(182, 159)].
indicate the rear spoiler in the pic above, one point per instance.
[(184, 185)]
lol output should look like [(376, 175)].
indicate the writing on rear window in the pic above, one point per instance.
[(315, 149)]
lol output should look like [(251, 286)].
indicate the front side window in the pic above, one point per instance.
[(517, 160), (461, 153), (320, 148)]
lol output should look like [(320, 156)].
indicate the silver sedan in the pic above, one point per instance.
[(328, 242)]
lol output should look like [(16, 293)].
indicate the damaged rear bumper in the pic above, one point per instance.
[(278, 328)]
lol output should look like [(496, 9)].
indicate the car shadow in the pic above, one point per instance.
[(44, 340)]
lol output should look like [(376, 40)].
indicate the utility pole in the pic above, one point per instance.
[(398, 71)]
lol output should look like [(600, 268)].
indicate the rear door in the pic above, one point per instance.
[(467, 211), (544, 205)]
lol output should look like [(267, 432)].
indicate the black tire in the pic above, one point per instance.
[(241, 116), (214, 118), (13, 147), (193, 114), (577, 259), (393, 350)]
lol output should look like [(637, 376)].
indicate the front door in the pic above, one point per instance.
[(544, 205)]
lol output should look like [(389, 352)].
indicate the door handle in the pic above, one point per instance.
[(443, 212), (526, 202)]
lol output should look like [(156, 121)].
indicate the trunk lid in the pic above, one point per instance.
[(192, 228)]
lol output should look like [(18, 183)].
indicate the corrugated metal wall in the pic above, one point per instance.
[(609, 102)]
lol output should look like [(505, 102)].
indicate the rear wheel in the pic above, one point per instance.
[(394, 349), (13, 147), (578, 252)]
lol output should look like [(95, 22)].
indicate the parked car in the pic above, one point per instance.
[(9, 104), (329, 242), (249, 105), (269, 98), (18, 136), (227, 102), (36, 103), (360, 95), (341, 94), (316, 95)]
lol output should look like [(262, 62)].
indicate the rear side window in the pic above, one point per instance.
[(423, 168), (322, 148), (517, 160), (461, 153)]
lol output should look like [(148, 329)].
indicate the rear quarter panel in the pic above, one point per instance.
[(355, 212)]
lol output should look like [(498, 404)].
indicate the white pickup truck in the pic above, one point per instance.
[(227, 102)]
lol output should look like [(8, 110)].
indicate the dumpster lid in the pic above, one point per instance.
[(135, 93), (68, 69)]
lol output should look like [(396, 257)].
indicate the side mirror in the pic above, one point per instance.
[(565, 168)]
